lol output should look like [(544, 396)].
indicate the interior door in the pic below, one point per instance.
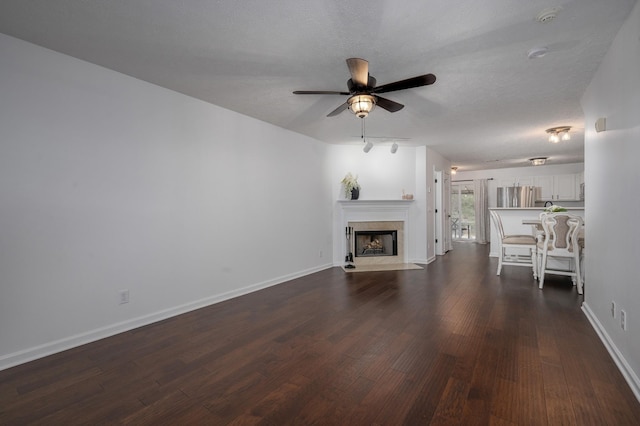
[(446, 210), (439, 238)]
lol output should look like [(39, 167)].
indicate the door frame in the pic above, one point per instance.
[(442, 216), (446, 210)]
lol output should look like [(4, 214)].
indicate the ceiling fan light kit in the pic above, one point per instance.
[(559, 133), (361, 105)]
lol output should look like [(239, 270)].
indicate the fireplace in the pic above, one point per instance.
[(376, 243), (372, 215)]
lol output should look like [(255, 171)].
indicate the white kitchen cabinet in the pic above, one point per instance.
[(556, 188), (517, 181), (579, 186), (544, 188)]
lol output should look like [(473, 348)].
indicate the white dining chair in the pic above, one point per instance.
[(515, 242), (561, 232)]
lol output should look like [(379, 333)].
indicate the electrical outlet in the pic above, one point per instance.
[(613, 309), (623, 320), (123, 296)]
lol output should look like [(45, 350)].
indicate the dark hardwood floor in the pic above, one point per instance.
[(450, 344)]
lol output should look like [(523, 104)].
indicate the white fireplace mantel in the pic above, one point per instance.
[(372, 211), (374, 202)]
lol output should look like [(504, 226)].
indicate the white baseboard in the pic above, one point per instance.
[(622, 364), (421, 261), (49, 348)]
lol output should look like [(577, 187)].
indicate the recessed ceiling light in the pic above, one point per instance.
[(537, 52)]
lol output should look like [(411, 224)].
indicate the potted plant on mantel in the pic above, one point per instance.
[(351, 187)]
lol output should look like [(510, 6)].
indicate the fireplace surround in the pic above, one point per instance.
[(373, 215)]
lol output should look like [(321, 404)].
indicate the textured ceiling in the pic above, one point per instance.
[(489, 107)]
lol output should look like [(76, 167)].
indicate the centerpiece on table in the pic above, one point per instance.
[(351, 187), (555, 209)]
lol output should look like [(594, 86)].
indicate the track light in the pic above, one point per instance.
[(394, 148), (367, 146), (454, 170)]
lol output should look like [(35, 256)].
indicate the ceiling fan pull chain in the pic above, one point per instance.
[(367, 145)]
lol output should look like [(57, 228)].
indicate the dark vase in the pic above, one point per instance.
[(355, 193)]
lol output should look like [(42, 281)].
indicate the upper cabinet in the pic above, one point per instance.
[(517, 181), (580, 186), (566, 187), (557, 188)]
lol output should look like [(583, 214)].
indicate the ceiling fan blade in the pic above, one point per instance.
[(338, 110), (319, 92), (388, 104), (422, 80), (359, 69)]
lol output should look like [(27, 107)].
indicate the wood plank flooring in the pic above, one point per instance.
[(452, 344)]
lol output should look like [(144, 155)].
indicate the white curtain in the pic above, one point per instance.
[(481, 196)]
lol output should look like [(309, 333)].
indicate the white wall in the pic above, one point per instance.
[(111, 183), (382, 176), (423, 199), (612, 199)]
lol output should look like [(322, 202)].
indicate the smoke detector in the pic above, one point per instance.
[(547, 15)]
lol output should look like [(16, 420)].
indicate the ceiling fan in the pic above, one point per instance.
[(364, 92)]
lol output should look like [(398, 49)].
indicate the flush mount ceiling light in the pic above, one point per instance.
[(454, 170), (538, 161), (361, 105), (558, 133)]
